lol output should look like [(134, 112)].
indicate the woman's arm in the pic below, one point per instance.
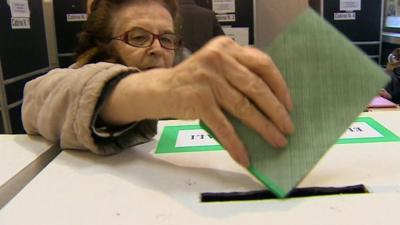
[(222, 76), (60, 105)]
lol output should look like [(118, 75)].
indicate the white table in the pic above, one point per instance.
[(139, 187), (21, 158)]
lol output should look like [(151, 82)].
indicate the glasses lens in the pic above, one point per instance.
[(139, 38), (170, 41)]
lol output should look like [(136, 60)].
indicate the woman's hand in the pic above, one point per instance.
[(243, 81), (222, 76)]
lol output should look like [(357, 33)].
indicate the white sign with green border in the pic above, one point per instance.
[(193, 138)]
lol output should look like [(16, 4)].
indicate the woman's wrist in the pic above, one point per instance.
[(138, 97)]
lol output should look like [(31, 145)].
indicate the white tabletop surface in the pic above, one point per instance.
[(21, 157), (140, 187)]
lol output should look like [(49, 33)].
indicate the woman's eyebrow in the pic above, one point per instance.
[(133, 27), (167, 31), (163, 31)]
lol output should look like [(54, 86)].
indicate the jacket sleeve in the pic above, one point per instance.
[(61, 106)]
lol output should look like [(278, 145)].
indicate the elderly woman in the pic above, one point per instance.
[(124, 80)]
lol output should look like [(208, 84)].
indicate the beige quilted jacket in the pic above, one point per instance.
[(62, 106)]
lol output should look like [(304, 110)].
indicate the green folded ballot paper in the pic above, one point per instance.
[(331, 81)]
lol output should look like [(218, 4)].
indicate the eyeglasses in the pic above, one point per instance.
[(141, 38)]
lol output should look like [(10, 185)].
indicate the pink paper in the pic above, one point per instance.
[(380, 102)]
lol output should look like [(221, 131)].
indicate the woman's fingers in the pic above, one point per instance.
[(244, 82), (263, 66), (242, 108), (258, 92), (193, 98), (215, 119)]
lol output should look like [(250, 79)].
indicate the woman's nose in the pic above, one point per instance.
[(156, 48), (156, 43)]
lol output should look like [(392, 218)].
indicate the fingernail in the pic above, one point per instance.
[(280, 141), (288, 126), (245, 162)]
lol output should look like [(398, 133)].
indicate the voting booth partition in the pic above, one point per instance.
[(360, 21), (235, 16), (69, 17), (23, 56)]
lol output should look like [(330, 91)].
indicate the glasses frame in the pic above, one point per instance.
[(124, 38)]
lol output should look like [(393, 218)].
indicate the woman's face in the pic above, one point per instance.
[(152, 17)]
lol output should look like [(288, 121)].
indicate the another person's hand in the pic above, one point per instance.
[(385, 94), (243, 81)]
